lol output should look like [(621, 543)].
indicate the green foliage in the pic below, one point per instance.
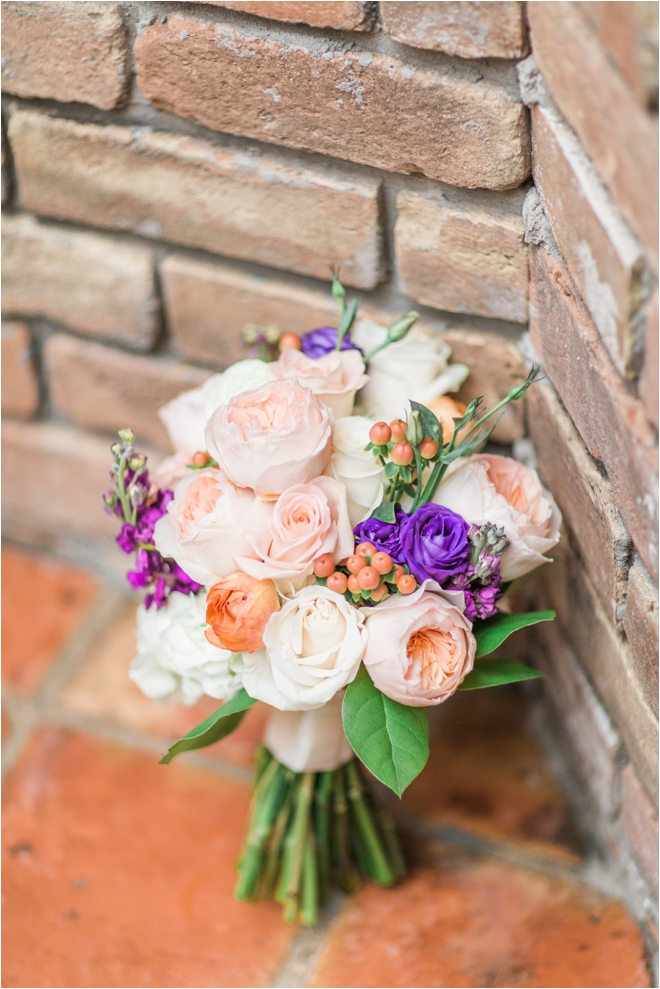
[(493, 672), (218, 725), (385, 512), (491, 633)]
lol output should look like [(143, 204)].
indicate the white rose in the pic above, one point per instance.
[(355, 467), (414, 368), (312, 648), (174, 660)]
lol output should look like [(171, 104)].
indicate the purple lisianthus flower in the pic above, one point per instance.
[(318, 343), (386, 536), (435, 544)]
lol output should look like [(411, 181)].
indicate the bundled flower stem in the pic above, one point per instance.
[(311, 830)]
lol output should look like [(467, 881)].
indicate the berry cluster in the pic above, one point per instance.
[(404, 451), (366, 577)]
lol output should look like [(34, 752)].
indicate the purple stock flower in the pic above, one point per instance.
[(318, 343), (146, 517), (480, 602), (386, 536), (435, 544)]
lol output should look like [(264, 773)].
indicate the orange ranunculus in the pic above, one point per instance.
[(237, 609), (447, 409)]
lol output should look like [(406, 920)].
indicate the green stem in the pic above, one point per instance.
[(344, 873), (322, 821), (390, 837), (268, 797), (380, 868), (310, 889), (294, 844), (274, 848), (420, 482)]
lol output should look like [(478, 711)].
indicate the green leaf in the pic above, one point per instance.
[(347, 319), (491, 633), (430, 422), (392, 740), (391, 470), (219, 724), (385, 512), (493, 672)]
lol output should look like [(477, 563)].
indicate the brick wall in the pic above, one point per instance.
[(175, 171)]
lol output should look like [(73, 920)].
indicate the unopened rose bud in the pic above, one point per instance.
[(414, 429), (398, 330)]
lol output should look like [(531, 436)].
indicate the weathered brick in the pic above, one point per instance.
[(52, 480), (191, 192), (648, 384), (496, 366), (99, 285), (20, 387), (7, 186), (583, 495), (602, 255), (612, 424), (468, 30), (615, 131), (367, 107), (342, 16), (640, 622), (71, 52), (463, 259), (209, 304), (605, 657), (639, 818), (98, 387)]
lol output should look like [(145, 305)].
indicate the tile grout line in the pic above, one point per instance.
[(301, 961)]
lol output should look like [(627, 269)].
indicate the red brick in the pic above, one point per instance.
[(98, 285), (467, 259), (480, 923), (367, 107), (628, 33), (640, 622), (343, 16), (42, 602), (602, 255), (252, 206), (72, 52), (53, 477), (119, 871), (616, 133), (20, 387), (583, 495), (103, 690), (648, 385), (208, 305), (468, 30), (496, 366), (99, 388), (639, 818), (612, 424)]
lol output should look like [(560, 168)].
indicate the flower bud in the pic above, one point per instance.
[(414, 429), (500, 547), (127, 436), (116, 449), (398, 330)]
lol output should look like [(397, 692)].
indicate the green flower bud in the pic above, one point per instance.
[(127, 436), (398, 330), (414, 429)]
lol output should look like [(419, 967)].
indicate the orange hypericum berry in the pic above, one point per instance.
[(200, 459), (353, 585), (379, 593), (355, 563), (324, 565), (365, 549), (337, 581), (402, 454), (290, 340), (398, 428), (399, 573), (428, 448), (380, 434), (406, 584), (368, 578), (381, 562)]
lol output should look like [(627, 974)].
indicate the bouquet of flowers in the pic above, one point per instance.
[(346, 566)]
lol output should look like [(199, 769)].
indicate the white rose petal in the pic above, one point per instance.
[(309, 741), (355, 467)]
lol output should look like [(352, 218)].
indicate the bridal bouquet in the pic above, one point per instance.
[(345, 566)]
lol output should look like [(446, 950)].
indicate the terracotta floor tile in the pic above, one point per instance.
[(119, 872), (102, 689), (479, 923), (486, 773), (42, 602)]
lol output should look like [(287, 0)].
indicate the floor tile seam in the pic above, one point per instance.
[(301, 962)]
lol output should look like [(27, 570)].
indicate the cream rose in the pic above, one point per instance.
[(334, 378), (204, 525), (309, 741), (306, 521), (414, 368), (313, 648), (419, 648), (490, 488), (272, 437), (355, 467)]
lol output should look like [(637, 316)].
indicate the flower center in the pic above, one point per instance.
[(432, 656)]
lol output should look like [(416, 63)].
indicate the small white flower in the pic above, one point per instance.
[(174, 660)]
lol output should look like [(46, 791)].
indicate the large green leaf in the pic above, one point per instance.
[(491, 633), (392, 740), (493, 672), (429, 421), (219, 724)]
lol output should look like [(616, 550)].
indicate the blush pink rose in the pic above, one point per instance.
[(307, 521), (271, 437), (420, 647), (490, 488), (334, 378), (204, 525)]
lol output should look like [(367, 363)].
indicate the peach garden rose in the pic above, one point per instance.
[(334, 378), (237, 610)]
